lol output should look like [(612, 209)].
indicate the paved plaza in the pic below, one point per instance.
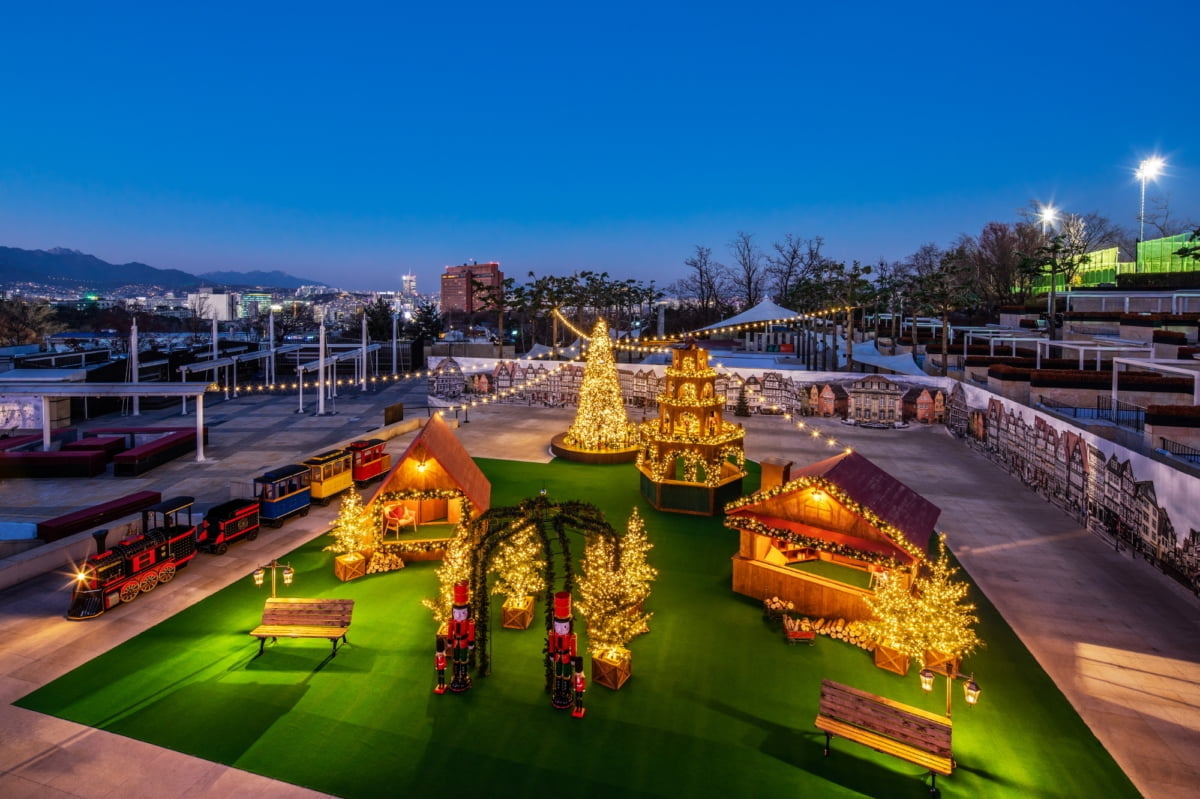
[(1120, 640)]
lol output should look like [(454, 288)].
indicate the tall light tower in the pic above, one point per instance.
[(1048, 215), (1148, 169)]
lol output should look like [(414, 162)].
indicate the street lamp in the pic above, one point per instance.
[(970, 688), (1048, 215), (1148, 169), (261, 572)]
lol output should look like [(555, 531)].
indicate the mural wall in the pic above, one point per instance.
[(1127, 498)]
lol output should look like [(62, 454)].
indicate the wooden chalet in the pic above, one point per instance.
[(820, 536), (431, 476)]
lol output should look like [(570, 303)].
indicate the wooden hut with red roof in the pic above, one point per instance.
[(819, 536), (435, 480)]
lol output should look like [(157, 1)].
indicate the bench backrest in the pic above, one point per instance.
[(927, 731), (316, 612)]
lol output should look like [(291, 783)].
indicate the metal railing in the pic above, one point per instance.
[(1122, 414), (1181, 451)]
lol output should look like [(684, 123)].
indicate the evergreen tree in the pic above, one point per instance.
[(518, 563), (455, 568), (355, 528), (601, 423), (612, 587)]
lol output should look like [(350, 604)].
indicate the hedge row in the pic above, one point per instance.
[(1169, 337), (1159, 280), (1174, 415), (1127, 381)]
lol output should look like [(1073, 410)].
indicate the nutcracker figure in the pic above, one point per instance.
[(580, 687), (439, 663), (461, 639), (560, 653)]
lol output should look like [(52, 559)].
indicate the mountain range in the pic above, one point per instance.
[(71, 269)]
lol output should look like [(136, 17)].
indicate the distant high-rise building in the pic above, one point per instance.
[(254, 303), (408, 284), (458, 291)]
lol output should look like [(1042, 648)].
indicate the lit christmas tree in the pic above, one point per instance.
[(356, 528), (931, 616), (945, 619), (894, 609), (455, 568), (612, 589), (519, 564), (601, 423)]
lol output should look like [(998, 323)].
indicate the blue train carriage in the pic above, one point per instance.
[(230, 521), (138, 564), (370, 460), (283, 492), (332, 474)]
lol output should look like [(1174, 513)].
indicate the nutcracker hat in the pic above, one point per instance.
[(562, 606), (460, 594)]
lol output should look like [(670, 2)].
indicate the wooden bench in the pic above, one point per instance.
[(292, 617), (887, 726)]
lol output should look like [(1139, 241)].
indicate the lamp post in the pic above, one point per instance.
[(260, 573), (1048, 215), (970, 688), (1148, 169)]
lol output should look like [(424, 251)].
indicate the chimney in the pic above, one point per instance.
[(775, 472), (100, 536)]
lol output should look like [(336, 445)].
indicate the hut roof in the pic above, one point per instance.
[(437, 445), (873, 488), (903, 511)]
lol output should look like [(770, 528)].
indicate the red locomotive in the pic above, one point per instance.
[(370, 461), (138, 564)]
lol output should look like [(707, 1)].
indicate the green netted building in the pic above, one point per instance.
[(1155, 256)]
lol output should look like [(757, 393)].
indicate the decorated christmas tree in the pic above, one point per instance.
[(893, 608), (945, 619), (614, 584), (601, 423), (455, 568), (355, 528), (519, 564)]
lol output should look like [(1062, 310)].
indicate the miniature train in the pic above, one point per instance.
[(170, 538)]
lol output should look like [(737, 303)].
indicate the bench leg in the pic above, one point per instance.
[(334, 641), (828, 737), (933, 789), (261, 643)]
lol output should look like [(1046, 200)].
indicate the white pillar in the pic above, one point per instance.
[(215, 349), (199, 428), (45, 423), (133, 363), (364, 351), (271, 363), (321, 373), (395, 318)]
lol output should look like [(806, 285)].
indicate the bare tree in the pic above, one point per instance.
[(706, 285), (996, 258), (746, 275), (794, 262), (1159, 218), (1063, 254)]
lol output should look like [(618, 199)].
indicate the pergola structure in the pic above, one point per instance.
[(57, 390), (1098, 347), (1163, 365)]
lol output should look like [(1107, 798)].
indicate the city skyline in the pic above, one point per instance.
[(357, 148)]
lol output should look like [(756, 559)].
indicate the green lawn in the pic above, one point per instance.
[(718, 704)]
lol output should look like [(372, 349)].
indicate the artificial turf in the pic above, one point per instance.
[(718, 704)]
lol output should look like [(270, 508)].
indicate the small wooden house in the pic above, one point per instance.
[(834, 400), (820, 536), (433, 476)]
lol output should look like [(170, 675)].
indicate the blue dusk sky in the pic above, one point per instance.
[(354, 142)]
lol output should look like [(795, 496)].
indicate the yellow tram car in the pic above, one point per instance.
[(331, 474)]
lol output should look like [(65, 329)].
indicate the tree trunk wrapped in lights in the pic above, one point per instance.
[(455, 568)]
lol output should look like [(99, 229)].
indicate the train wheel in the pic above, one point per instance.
[(148, 583), (221, 548), (253, 534), (129, 591), (304, 512), (167, 573)]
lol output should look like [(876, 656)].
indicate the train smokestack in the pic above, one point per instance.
[(100, 536)]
